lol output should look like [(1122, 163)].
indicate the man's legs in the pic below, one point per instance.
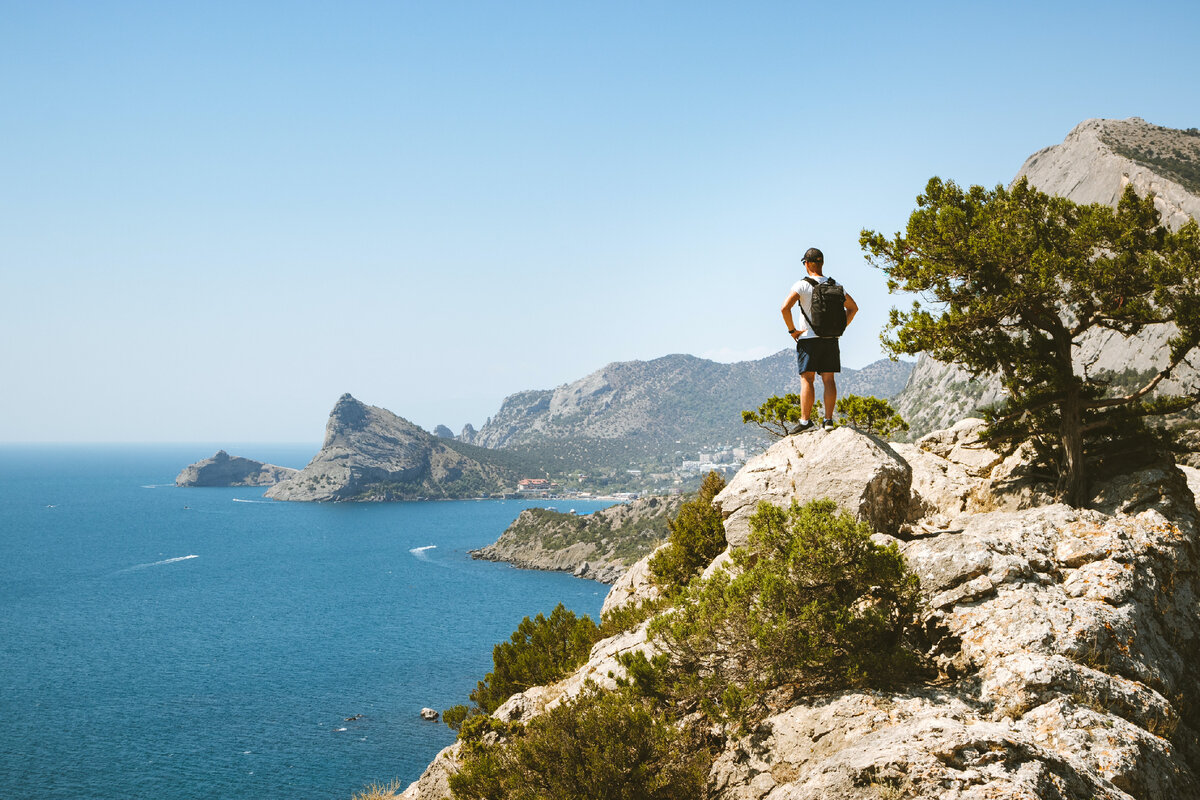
[(830, 384), (807, 395)]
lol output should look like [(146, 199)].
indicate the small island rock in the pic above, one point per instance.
[(429, 714), (226, 470)]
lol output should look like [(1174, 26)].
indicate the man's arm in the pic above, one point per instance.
[(851, 308), (792, 299)]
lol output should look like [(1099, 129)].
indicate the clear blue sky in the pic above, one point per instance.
[(217, 217)]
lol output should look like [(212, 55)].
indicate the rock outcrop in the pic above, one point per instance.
[(1100, 157), (861, 473), (1067, 641), (226, 470), (369, 453), (600, 546)]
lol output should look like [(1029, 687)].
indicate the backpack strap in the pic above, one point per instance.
[(815, 283)]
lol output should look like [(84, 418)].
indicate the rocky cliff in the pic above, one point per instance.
[(1094, 164), (369, 453), (600, 546), (1100, 157), (226, 470), (1066, 641)]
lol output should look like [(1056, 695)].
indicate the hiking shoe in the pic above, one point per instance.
[(828, 425), (805, 425)]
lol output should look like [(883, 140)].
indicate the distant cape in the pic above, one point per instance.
[(369, 453)]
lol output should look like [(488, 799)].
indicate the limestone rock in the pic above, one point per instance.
[(429, 715), (434, 783), (226, 470), (861, 473), (1090, 167), (1067, 641), (633, 587), (1192, 476), (1070, 662), (602, 668), (369, 453), (954, 473)]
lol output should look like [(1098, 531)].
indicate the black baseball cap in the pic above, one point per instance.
[(813, 254)]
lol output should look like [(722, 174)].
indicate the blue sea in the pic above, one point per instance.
[(176, 644)]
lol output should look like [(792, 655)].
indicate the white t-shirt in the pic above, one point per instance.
[(805, 290)]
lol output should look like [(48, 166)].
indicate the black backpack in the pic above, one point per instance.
[(828, 318)]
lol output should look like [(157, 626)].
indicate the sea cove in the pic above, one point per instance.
[(207, 643)]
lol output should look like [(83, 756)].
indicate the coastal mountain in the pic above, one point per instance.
[(226, 470), (653, 408), (600, 546), (1094, 164), (369, 453)]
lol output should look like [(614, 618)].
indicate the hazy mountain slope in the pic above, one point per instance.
[(674, 399), (1094, 164)]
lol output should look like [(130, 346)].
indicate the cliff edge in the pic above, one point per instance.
[(1066, 641)]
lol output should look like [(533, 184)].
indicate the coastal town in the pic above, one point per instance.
[(725, 459)]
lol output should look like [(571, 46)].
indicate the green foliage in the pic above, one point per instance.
[(697, 537), (813, 604), (540, 651), (1011, 280), (1180, 164), (629, 616), (871, 414), (635, 535), (778, 415), (455, 716), (602, 746)]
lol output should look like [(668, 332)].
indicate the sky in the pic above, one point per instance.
[(216, 218)]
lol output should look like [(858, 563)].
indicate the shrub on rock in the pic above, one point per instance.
[(697, 537), (602, 746), (812, 604)]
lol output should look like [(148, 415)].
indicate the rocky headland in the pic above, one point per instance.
[(226, 470), (1066, 641), (369, 453), (600, 546)]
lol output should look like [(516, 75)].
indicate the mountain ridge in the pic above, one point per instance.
[(674, 398)]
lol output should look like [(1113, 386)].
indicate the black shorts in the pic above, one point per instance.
[(818, 355)]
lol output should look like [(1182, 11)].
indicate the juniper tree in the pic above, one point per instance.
[(1010, 282)]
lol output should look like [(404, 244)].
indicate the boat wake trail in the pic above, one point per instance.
[(419, 552), (157, 563), (263, 502)]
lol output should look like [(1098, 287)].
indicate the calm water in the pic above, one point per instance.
[(205, 643)]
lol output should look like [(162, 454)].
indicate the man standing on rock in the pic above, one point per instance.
[(827, 310)]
